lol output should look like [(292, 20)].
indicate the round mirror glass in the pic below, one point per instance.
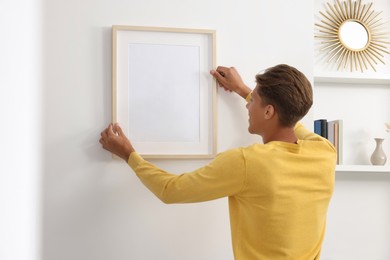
[(353, 35)]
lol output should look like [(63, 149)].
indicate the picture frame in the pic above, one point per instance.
[(162, 93)]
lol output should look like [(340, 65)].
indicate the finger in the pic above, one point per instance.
[(218, 71), (103, 143), (214, 73), (119, 130), (218, 76), (223, 70), (104, 133), (110, 130), (114, 129)]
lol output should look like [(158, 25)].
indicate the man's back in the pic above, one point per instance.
[(280, 212)]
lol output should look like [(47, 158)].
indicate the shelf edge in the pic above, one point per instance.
[(363, 168), (382, 79)]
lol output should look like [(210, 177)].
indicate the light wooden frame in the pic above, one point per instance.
[(119, 105), (333, 46)]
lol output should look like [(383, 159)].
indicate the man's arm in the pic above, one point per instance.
[(224, 176)]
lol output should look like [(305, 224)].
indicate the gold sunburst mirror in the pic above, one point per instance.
[(352, 35)]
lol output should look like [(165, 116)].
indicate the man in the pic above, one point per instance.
[(278, 191)]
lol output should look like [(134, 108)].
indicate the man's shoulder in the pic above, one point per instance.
[(234, 152), (243, 152)]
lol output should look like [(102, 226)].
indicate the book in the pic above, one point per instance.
[(340, 142), (321, 127), (333, 131), (335, 136)]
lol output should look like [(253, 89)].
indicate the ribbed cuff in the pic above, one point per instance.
[(248, 98)]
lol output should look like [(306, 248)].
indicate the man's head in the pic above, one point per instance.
[(281, 91)]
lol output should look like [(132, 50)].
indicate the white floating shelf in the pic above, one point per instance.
[(353, 78), (363, 168)]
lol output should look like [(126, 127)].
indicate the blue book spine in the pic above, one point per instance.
[(321, 127), (317, 127)]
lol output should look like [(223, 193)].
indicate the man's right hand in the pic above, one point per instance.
[(230, 80), (114, 140)]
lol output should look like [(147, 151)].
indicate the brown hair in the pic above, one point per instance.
[(288, 90)]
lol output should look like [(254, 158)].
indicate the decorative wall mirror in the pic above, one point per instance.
[(352, 35)]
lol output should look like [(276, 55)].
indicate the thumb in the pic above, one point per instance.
[(216, 74)]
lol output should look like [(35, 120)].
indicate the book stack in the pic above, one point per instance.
[(333, 131)]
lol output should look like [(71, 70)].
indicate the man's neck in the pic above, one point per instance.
[(281, 134)]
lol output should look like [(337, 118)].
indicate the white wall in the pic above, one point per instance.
[(94, 207), (20, 110)]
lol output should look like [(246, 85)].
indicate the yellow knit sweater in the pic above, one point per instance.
[(278, 194)]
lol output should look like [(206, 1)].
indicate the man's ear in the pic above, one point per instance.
[(269, 111)]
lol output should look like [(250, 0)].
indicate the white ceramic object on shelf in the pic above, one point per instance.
[(378, 157)]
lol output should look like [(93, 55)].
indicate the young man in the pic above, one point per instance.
[(278, 191)]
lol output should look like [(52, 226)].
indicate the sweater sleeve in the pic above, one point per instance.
[(224, 176)]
